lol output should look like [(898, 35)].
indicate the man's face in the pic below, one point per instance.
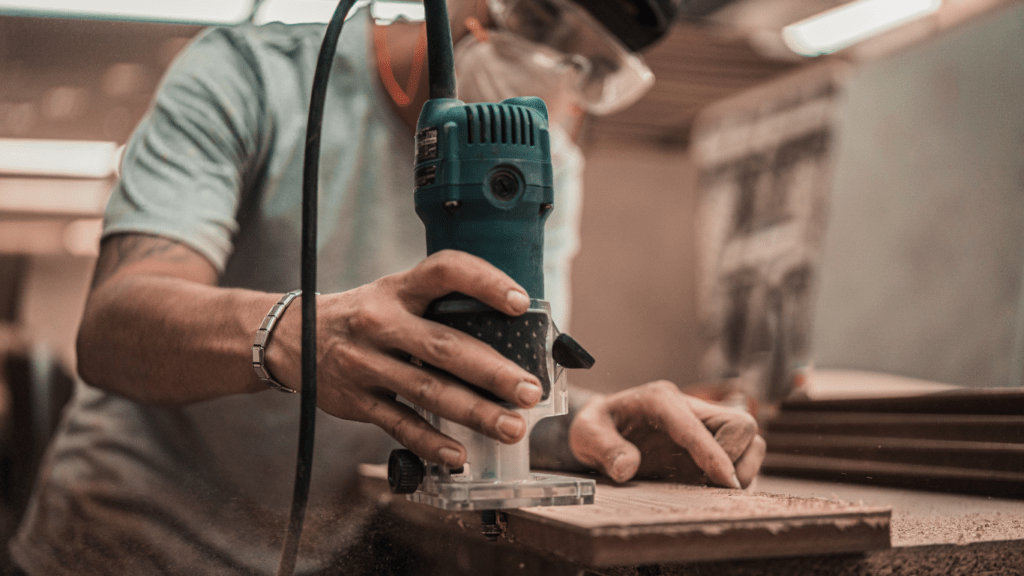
[(535, 39)]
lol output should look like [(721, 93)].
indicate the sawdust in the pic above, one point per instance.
[(987, 559), (923, 518), (912, 530)]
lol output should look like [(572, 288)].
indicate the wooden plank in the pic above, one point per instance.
[(965, 440), (993, 401), (976, 428), (947, 453), (650, 522), (969, 481)]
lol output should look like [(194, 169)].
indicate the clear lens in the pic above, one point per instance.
[(612, 78), (506, 65)]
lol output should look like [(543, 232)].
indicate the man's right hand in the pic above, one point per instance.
[(367, 335), (157, 330)]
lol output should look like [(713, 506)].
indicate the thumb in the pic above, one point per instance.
[(595, 441)]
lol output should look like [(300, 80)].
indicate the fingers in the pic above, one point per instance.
[(712, 436), (750, 462), (383, 319), (669, 410), (595, 441), (735, 436), (466, 357), (450, 400), (368, 328), (415, 433), (737, 433), (734, 430), (450, 271)]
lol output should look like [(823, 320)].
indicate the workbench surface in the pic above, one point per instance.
[(919, 518), (931, 534)]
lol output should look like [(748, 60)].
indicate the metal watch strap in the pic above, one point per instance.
[(259, 345)]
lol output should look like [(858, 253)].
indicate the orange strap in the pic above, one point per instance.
[(476, 28), (401, 97)]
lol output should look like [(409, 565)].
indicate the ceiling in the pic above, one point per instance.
[(81, 79), (698, 63), (738, 47), (93, 79)]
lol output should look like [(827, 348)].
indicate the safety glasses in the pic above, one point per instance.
[(609, 76)]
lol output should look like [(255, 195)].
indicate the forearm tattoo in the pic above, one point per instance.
[(118, 251)]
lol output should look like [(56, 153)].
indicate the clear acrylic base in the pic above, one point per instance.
[(538, 490)]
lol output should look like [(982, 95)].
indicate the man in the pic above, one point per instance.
[(177, 458)]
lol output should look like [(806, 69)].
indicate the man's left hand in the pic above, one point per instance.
[(657, 431)]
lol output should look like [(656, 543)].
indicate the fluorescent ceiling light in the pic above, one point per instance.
[(296, 11), (66, 158), (307, 11), (850, 23), (201, 11), (387, 11)]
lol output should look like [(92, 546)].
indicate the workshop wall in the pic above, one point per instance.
[(924, 253), (634, 303), (53, 301)]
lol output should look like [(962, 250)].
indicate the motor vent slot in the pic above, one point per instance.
[(499, 124)]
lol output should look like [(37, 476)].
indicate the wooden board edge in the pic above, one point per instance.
[(839, 534)]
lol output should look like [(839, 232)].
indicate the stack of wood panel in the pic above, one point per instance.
[(969, 441)]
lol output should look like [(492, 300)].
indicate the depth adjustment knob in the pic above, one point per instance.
[(405, 471)]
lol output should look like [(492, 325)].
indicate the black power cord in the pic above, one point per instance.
[(440, 59), (440, 53), (310, 186)]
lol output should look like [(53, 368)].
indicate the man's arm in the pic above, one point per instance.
[(157, 330)]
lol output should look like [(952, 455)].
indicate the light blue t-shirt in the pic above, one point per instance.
[(138, 489)]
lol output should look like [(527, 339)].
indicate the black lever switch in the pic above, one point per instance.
[(567, 352)]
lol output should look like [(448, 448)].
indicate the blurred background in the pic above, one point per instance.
[(809, 186)]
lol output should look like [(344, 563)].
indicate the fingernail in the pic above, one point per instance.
[(518, 301), (511, 427), (449, 457), (619, 468), (528, 393), (736, 483)]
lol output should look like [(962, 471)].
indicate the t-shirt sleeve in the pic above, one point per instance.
[(185, 167), (562, 231)]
